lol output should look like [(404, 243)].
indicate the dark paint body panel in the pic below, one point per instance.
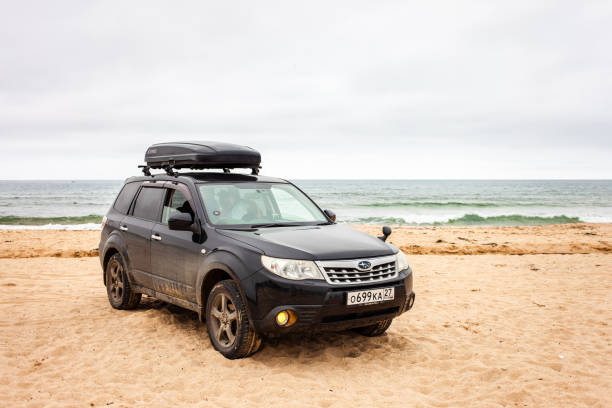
[(313, 242), (317, 306), (138, 244), (178, 258), (175, 268)]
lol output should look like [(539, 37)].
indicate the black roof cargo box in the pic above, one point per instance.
[(202, 155)]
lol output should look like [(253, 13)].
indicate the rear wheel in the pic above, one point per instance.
[(228, 324), (120, 294), (375, 329)]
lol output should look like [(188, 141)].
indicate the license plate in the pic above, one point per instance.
[(364, 297)]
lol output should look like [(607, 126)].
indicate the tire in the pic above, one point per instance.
[(118, 289), (374, 329), (227, 322)]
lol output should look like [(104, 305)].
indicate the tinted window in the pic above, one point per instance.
[(176, 202), (148, 203), (125, 197)]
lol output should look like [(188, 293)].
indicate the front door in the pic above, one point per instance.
[(174, 255)]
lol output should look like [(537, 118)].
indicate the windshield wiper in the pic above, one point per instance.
[(236, 228), (275, 224)]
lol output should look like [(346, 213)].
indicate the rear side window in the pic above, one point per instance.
[(125, 197), (148, 203)]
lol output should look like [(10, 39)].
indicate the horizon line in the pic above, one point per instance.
[(354, 179)]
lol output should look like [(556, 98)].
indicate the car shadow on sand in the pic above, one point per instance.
[(182, 318), (305, 348), (324, 346)]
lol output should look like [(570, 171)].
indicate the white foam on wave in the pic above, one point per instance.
[(67, 227)]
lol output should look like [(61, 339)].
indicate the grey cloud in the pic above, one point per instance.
[(444, 79)]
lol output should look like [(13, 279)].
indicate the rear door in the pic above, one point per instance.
[(175, 257), (137, 226)]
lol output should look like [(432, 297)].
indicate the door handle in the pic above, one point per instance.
[(123, 228), (156, 237)]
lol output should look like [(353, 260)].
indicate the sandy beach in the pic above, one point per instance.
[(504, 317)]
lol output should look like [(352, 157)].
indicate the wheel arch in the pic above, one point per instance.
[(107, 256), (219, 265), (115, 245), (211, 278)]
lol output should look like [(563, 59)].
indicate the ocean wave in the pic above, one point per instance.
[(74, 220), (87, 221), (68, 227), (435, 204), (475, 219), (381, 220), (514, 219)]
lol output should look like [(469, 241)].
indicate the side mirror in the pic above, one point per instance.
[(330, 214), (386, 232), (180, 222)]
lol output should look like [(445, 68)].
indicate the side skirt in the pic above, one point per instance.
[(167, 298)]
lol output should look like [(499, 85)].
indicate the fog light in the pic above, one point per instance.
[(410, 301), (282, 318)]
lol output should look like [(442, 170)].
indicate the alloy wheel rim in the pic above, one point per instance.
[(224, 320), (116, 281)]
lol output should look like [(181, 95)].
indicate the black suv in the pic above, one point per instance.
[(254, 256)]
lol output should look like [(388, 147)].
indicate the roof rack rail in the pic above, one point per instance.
[(146, 170)]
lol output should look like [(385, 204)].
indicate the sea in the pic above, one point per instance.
[(81, 204)]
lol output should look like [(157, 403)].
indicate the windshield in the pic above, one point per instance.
[(258, 204)]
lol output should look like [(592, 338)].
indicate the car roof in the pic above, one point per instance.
[(198, 177)]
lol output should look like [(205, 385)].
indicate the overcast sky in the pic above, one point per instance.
[(331, 89)]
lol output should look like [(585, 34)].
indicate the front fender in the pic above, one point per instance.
[(225, 261), (238, 267)]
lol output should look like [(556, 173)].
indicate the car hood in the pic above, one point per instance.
[(323, 242)]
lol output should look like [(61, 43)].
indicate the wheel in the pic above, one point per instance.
[(374, 329), (120, 294), (228, 324)]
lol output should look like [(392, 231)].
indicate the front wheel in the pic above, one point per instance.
[(375, 329), (228, 323)]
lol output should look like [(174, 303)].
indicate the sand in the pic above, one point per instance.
[(545, 239), (487, 330), (548, 239)]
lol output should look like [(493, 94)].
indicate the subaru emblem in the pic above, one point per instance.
[(364, 265)]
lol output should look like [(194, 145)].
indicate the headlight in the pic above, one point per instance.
[(402, 261), (291, 268)]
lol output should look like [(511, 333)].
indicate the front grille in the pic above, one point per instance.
[(347, 272)]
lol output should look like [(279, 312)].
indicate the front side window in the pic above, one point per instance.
[(176, 202), (258, 203), (148, 203)]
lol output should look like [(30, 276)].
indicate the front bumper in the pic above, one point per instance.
[(318, 305)]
